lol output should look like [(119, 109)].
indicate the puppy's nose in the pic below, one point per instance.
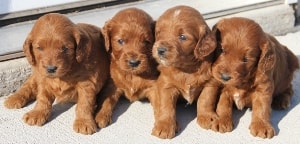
[(161, 51), (225, 77), (134, 63), (51, 69)]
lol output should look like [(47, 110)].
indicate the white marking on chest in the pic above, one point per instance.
[(132, 91), (237, 101), (189, 96)]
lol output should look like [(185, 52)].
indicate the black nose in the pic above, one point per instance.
[(51, 69), (225, 77), (161, 51), (134, 63)]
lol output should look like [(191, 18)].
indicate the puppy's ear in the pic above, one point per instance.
[(106, 34), (267, 57), (82, 47), (216, 32), (28, 50), (206, 43)]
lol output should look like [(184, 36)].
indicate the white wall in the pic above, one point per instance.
[(8, 6), (290, 1)]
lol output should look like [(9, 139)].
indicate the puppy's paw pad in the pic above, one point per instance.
[(14, 102), (85, 126), (35, 118), (262, 129), (103, 120), (164, 130), (206, 120)]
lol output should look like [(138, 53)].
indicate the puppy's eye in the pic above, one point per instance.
[(64, 49), (245, 59), (147, 43), (39, 48), (182, 37), (121, 41)]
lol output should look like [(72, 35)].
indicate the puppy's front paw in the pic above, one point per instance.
[(205, 120), (85, 126), (103, 119), (164, 129), (262, 129), (222, 125), (14, 102), (36, 117)]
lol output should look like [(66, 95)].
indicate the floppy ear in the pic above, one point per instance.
[(206, 43), (27, 48), (106, 34), (82, 47), (216, 32), (267, 57)]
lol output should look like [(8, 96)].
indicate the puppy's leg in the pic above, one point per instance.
[(41, 112), (224, 111), (206, 107), (111, 96), (261, 106), (23, 95), (84, 122), (282, 101), (165, 123), (152, 97)]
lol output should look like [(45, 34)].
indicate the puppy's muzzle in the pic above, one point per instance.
[(225, 77), (51, 69), (161, 51), (134, 63)]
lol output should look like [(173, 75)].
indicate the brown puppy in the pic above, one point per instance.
[(69, 63), (255, 69), (129, 37), (184, 49)]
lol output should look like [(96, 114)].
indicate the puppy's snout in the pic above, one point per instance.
[(161, 51), (51, 69), (225, 77), (134, 63)]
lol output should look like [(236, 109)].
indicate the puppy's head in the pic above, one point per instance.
[(182, 38), (129, 37), (54, 45), (243, 51)]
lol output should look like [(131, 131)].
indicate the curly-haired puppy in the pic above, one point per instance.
[(129, 37), (184, 47), (69, 63), (256, 71)]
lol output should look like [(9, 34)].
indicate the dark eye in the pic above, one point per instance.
[(39, 48), (121, 41), (245, 59), (147, 43), (182, 37), (64, 49)]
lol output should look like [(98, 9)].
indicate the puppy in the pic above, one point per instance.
[(69, 63), (183, 48), (129, 37), (256, 71)]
